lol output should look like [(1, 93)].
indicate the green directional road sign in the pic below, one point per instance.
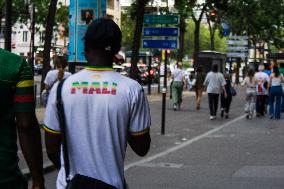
[(161, 19)]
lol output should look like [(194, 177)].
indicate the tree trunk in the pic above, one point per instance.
[(137, 38), (196, 43), (48, 39), (212, 29), (180, 54), (8, 23)]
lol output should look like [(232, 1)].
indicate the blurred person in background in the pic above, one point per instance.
[(178, 78), (200, 77), (60, 63), (250, 83), (262, 80), (275, 93), (226, 100), (215, 83)]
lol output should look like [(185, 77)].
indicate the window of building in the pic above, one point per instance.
[(25, 36)]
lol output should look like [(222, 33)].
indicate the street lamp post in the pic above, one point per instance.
[(8, 24)]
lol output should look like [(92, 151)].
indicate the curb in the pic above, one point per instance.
[(47, 168)]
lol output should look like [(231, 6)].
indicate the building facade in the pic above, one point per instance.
[(21, 34)]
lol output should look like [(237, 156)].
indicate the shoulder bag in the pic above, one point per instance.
[(78, 181)]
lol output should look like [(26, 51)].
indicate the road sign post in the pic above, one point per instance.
[(165, 43)]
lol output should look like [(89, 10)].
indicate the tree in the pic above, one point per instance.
[(48, 38), (140, 10), (127, 26), (183, 11)]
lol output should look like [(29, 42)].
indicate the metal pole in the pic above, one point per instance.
[(8, 24), (159, 78), (164, 95), (149, 73), (32, 46)]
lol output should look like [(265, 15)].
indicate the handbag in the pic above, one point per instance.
[(78, 181), (233, 91)]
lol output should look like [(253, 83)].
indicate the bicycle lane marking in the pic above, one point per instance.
[(183, 145)]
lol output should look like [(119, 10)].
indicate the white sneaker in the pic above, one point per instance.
[(212, 117), (175, 107)]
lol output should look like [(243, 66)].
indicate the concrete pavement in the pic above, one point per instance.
[(199, 153)]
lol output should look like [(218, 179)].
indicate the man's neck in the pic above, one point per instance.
[(100, 61)]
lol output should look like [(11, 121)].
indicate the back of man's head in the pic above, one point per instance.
[(103, 34), (260, 67)]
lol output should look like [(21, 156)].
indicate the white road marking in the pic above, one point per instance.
[(183, 145)]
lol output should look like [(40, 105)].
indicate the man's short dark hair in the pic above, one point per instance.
[(103, 34), (215, 67)]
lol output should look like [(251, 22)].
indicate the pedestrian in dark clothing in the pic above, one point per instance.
[(226, 101)]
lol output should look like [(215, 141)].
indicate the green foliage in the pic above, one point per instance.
[(220, 43), (127, 28)]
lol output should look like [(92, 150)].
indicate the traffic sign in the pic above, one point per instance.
[(235, 37), (237, 54), (161, 19), (237, 42), (173, 32), (160, 44), (237, 48)]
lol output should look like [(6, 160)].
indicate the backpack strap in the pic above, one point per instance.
[(62, 124)]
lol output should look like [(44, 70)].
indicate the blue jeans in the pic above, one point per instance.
[(275, 101), (282, 103)]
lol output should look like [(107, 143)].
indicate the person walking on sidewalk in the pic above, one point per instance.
[(226, 101), (60, 63), (200, 77), (17, 113), (275, 92), (281, 70), (215, 83), (250, 83), (177, 86), (262, 80), (103, 111)]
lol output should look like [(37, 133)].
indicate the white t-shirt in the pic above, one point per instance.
[(178, 75), (214, 82), (249, 84), (101, 107), (261, 78), (52, 76)]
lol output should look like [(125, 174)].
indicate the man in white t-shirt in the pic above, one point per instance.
[(104, 111), (262, 80)]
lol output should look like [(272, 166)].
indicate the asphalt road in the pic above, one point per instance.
[(197, 153)]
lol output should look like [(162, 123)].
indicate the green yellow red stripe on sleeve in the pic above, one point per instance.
[(25, 83), (140, 132), (24, 98), (51, 131)]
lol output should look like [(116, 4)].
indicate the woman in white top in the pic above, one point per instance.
[(215, 83), (60, 63), (177, 86), (275, 93), (250, 83)]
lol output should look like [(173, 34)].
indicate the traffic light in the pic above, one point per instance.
[(213, 15)]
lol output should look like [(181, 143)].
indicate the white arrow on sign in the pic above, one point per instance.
[(232, 42), (241, 55), (237, 48)]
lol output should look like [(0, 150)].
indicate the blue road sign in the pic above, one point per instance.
[(160, 44), (173, 32), (161, 19)]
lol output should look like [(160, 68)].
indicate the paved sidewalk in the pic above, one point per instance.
[(195, 152)]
